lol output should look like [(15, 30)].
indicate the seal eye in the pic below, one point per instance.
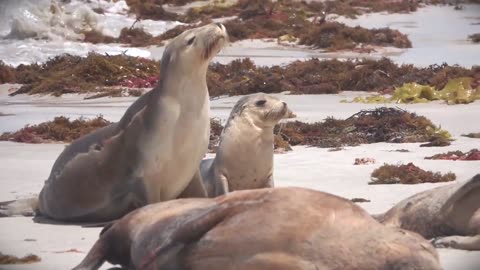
[(191, 40), (260, 103)]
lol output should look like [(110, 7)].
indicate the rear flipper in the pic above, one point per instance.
[(221, 186), (23, 207), (458, 242), (470, 185), (97, 255)]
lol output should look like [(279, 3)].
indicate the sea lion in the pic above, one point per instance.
[(153, 153), (271, 228), (244, 158), (450, 214)]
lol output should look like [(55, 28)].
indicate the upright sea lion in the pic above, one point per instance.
[(153, 153), (244, 158), (280, 228), (450, 214)]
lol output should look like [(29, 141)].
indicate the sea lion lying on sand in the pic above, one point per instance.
[(280, 228), (450, 214)]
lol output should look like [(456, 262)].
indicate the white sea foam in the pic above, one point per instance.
[(36, 30)]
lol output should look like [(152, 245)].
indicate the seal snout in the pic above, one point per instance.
[(216, 37)]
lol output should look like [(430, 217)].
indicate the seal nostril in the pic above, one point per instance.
[(284, 104), (219, 25)]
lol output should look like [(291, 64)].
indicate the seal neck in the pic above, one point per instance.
[(244, 135)]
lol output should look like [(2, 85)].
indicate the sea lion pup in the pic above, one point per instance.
[(450, 214), (244, 158), (271, 228), (153, 153)]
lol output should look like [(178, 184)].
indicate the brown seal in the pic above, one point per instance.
[(450, 214), (271, 228)]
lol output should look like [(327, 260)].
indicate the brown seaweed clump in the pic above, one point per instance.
[(360, 200), (315, 76), (265, 19), (337, 36), (9, 259), (74, 74), (407, 174), (7, 73), (473, 135), (151, 9), (100, 73), (475, 38), (61, 129), (368, 126), (249, 8), (364, 161), (216, 129), (473, 154)]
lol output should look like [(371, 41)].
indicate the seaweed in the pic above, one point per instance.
[(473, 154), (95, 37), (151, 9), (337, 36), (331, 36), (475, 38), (9, 259), (407, 174), (316, 76), (265, 19), (135, 37), (400, 151), (90, 74), (368, 126), (437, 140), (100, 73), (280, 145), (473, 135), (364, 161), (359, 200), (456, 91), (246, 9), (61, 129), (216, 129), (7, 73)]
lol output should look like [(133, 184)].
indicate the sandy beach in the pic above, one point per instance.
[(438, 35)]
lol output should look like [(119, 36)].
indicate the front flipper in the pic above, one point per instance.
[(21, 207), (221, 186), (195, 188), (458, 242), (183, 230), (270, 183)]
